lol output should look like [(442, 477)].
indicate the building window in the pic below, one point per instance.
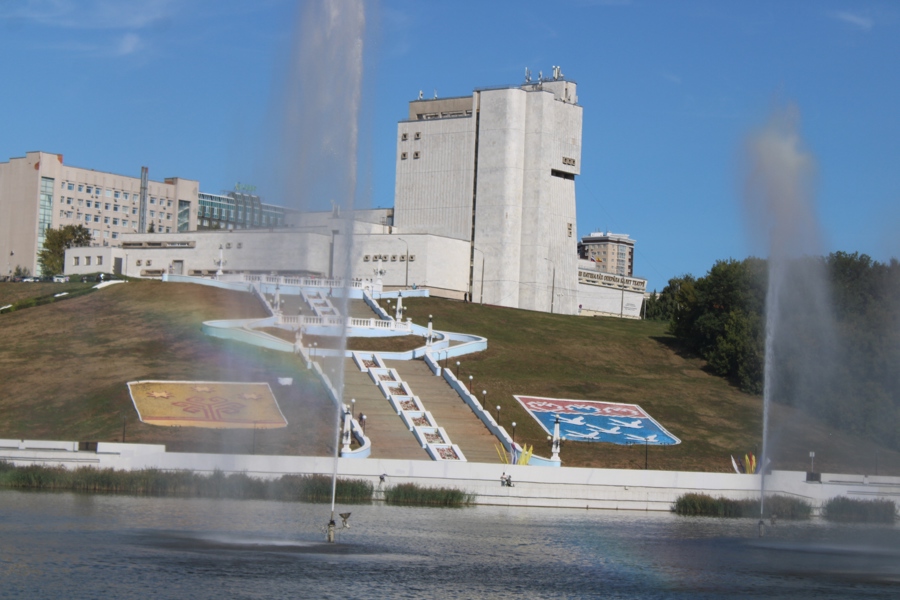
[(115, 208), (76, 260), (416, 154), (418, 135), (106, 220), (117, 195), (99, 261), (134, 210), (96, 218), (89, 190), (87, 261), (366, 258), (125, 195), (569, 227), (80, 187), (70, 187), (115, 235), (152, 200), (137, 263), (149, 262), (108, 193), (403, 156), (106, 206)]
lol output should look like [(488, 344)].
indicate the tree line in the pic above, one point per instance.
[(835, 345)]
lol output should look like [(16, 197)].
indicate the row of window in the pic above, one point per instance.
[(405, 136), (76, 260), (385, 257), (405, 155), (98, 191)]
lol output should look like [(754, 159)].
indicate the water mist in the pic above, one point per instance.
[(320, 132), (798, 323)]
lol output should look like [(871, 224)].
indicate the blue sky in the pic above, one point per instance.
[(670, 90)]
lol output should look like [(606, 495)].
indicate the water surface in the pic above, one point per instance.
[(90, 546)]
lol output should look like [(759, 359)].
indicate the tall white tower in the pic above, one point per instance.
[(497, 169)]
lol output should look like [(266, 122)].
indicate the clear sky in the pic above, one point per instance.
[(670, 90)]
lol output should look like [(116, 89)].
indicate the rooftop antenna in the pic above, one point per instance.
[(435, 94), (557, 72), (540, 75), (527, 75), (420, 94)]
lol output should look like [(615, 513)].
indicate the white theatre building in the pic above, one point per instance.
[(484, 209), (497, 170)]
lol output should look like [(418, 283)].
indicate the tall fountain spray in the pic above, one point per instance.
[(779, 200), (320, 144)]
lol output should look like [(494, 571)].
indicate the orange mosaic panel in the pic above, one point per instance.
[(215, 405)]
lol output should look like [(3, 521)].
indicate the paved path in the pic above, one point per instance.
[(449, 410), (390, 436)]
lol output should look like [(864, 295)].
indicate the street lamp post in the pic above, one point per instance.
[(481, 291), (457, 369), (552, 283), (470, 384), (484, 399), (362, 420), (407, 261), (514, 432), (498, 414)]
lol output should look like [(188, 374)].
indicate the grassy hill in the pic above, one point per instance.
[(65, 365)]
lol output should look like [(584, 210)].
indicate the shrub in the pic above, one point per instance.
[(156, 482), (859, 511), (411, 494), (704, 505)]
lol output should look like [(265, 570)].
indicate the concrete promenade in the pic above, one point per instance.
[(565, 487)]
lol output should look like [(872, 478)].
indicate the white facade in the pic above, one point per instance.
[(497, 170), (398, 261)]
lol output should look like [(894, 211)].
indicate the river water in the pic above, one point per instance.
[(61, 545)]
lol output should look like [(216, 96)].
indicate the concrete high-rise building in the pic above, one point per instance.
[(497, 169), (612, 252), (38, 191)]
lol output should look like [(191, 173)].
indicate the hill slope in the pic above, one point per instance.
[(64, 367)]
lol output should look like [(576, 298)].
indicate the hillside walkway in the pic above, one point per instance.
[(449, 411), (390, 436)]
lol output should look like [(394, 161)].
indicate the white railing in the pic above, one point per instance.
[(306, 321), (304, 281)]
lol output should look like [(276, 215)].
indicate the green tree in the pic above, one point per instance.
[(56, 241)]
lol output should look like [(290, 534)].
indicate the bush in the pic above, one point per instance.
[(704, 505), (859, 511), (411, 494), (156, 482)]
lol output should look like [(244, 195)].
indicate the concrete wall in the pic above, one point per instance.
[(435, 168), (609, 301), (616, 489)]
